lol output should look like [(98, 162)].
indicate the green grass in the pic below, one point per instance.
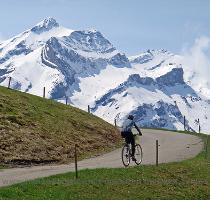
[(188, 179), (34, 130), (38, 130)]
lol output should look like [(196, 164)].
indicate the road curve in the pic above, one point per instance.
[(173, 147)]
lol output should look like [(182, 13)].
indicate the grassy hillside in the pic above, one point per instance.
[(187, 180), (34, 130)]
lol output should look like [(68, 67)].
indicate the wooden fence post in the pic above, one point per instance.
[(184, 123), (75, 156), (199, 126), (206, 149), (66, 100), (115, 122), (88, 108), (44, 92), (9, 82), (157, 153)]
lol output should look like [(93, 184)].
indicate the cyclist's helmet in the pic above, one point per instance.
[(131, 117)]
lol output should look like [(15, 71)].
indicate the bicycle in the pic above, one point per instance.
[(127, 152)]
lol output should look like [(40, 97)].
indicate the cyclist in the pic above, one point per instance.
[(128, 135)]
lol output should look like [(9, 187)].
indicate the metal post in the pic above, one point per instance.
[(75, 155), (44, 92), (157, 153), (9, 82), (184, 123), (88, 108)]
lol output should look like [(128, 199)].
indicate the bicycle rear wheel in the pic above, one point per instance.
[(126, 155), (138, 154)]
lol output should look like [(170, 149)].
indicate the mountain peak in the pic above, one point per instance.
[(158, 51), (149, 55), (90, 40), (91, 30), (45, 25)]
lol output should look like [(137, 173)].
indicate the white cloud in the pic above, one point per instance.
[(197, 62)]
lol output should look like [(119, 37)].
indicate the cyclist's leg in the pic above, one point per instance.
[(132, 139), (127, 139)]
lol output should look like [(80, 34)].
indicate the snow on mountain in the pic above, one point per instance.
[(155, 63), (20, 58), (45, 25), (77, 56), (156, 86), (31, 39), (57, 58), (161, 102)]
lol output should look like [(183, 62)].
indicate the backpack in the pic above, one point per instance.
[(127, 127)]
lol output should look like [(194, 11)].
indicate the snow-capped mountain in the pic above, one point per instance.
[(55, 57), (156, 86), (161, 102)]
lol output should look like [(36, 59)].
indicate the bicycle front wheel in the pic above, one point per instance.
[(138, 154), (126, 155)]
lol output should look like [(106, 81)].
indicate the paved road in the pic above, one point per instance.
[(173, 147)]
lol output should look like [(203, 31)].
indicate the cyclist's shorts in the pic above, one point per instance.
[(125, 133)]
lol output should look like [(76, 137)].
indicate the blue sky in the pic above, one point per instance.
[(131, 25)]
